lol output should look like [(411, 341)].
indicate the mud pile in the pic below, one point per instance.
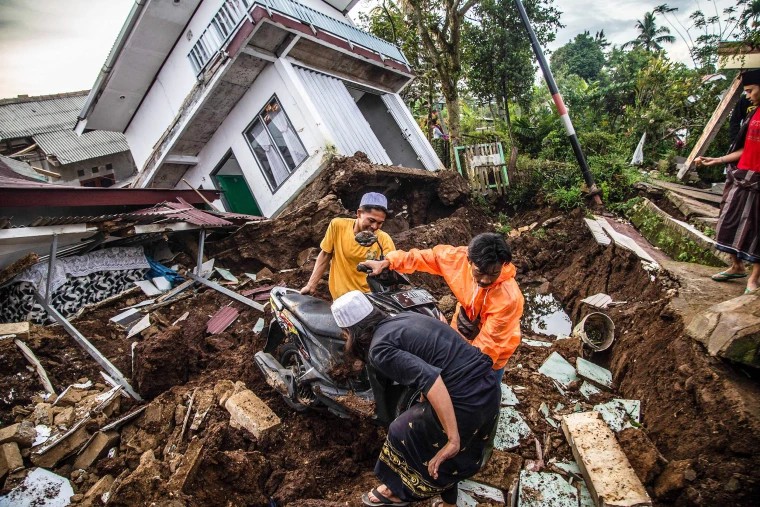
[(697, 447)]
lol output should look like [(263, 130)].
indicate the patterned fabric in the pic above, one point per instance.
[(18, 304), (738, 230)]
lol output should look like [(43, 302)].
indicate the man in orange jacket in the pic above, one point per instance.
[(482, 278)]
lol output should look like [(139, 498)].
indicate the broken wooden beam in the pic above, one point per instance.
[(605, 467), (227, 292), (29, 355)]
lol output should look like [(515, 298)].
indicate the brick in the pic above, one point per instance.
[(95, 448), (249, 412), (48, 456), (609, 476), (20, 329), (10, 458), (22, 433)]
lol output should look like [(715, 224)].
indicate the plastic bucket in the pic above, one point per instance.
[(596, 330)]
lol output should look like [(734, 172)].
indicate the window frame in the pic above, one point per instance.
[(249, 127)]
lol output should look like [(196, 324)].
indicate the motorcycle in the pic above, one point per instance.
[(304, 358)]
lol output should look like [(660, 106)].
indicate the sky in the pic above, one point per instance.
[(56, 46)]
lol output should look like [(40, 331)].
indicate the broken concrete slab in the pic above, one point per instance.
[(94, 495), (605, 467), (204, 400), (185, 472), (730, 329), (620, 414), (40, 487), (10, 458), (501, 470), (691, 207), (557, 368), (511, 429), (249, 412), (545, 489), (588, 390), (22, 433), (63, 446), (96, 447), (593, 372), (598, 232)]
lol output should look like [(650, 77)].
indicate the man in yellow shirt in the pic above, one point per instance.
[(342, 253)]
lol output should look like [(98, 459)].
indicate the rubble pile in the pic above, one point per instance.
[(210, 431)]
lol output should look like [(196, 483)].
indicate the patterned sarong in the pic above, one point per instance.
[(738, 229)]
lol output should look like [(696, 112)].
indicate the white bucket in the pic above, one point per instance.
[(596, 330)]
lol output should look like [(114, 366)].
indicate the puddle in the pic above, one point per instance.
[(543, 314)]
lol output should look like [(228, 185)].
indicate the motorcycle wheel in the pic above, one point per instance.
[(410, 398), (290, 358)]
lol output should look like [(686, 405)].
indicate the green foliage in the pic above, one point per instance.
[(582, 56), (502, 225), (566, 199)]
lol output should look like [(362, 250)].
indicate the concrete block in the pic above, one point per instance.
[(249, 412), (605, 467), (10, 458), (22, 433), (97, 446), (51, 454), (64, 417), (94, 494), (185, 472), (20, 329), (43, 414)]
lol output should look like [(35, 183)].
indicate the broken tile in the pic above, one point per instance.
[(605, 467), (508, 396), (40, 487), (586, 500), (557, 368), (127, 318), (252, 276), (593, 372), (570, 467), (535, 343), (181, 318), (465, 500), (588, 390), (620, 414), (147, 287), (600, 300), (43, 434), (259, 326), (139, 327), (479, 490), (19, 329), (207, 267), (545, 489), (227, 275), (162, 283), (64, 445), (510, 429)]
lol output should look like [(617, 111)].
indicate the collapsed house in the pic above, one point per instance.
[(253, 97), (39, 131)]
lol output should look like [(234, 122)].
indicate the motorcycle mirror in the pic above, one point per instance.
[(365, 238)]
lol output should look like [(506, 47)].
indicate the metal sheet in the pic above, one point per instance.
[(222, 320), (24, 117), (412, 131), (68, 147), (345, 122)]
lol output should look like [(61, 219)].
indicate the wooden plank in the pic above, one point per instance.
[(29, 355), (694, 193), (719, 116), (596, 229), (605, 467)]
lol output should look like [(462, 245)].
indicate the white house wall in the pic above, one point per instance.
[(176, 80), (230, 135)]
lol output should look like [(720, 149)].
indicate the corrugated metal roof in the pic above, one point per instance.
[(18, 169), (68, 147), (25, 117), (221, 320)]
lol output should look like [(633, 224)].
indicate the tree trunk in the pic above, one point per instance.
[(452, 107)]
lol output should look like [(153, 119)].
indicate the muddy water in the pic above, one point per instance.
[(544, 315)]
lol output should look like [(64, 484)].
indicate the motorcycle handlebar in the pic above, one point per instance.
[(363, 268)]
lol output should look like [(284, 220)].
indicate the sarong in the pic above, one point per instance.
[(738, 229), (417, 435)]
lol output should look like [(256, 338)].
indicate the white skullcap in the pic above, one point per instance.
[(351, 308)]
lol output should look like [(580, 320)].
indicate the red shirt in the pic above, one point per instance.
[(750, 159)]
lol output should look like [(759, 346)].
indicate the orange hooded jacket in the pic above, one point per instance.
[(500, 305)]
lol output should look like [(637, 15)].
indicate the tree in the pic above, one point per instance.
[(583, 56), (439, 25), (650, 36), (497, 52)]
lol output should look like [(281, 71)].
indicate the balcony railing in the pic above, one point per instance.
[(232, 13)]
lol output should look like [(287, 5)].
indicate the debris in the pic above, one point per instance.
[(96, 447), (124, 419), (598, 232), (609, 476), (138, 328), (601, 301), (181, 318), (127, 319), (510, 430), (259, 326), (221, 320), (22, 433), (43, 434), (545, 489), (185, 473), (252, 276), (148, 288), (481, 490), (249, 412), (538, 464), (593, 372), (557, 368), (94, 495), (207, 267), (508, 396), (19, 329), (205, 401), (73, 394), (227, 275), (620, 414), (588, 390), (227, 292), (535, 343), (40, 487), (64, 445), (187, 413), (10, 458), (162, 283), (596, 330)]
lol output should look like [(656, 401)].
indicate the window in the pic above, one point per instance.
[(95, 169), (109, 166), (275, 143), (80, 172)]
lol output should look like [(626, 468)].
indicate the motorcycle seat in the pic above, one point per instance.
[(314, 313)]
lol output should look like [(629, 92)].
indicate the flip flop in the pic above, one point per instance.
[(746, 291), (384, 500), (724, 277)]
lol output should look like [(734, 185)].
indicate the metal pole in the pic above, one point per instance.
[(51, 267), (227, 292), (561, 109), (201, 242)]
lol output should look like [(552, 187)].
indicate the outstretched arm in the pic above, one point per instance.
[(439, 398), (320, 266), (725, 159)]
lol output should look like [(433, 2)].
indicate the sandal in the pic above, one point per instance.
[(751, 291), (384, 500), (724, 276)]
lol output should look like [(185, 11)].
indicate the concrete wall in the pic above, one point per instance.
[(276, 78), (175, 80), (123, 167)]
